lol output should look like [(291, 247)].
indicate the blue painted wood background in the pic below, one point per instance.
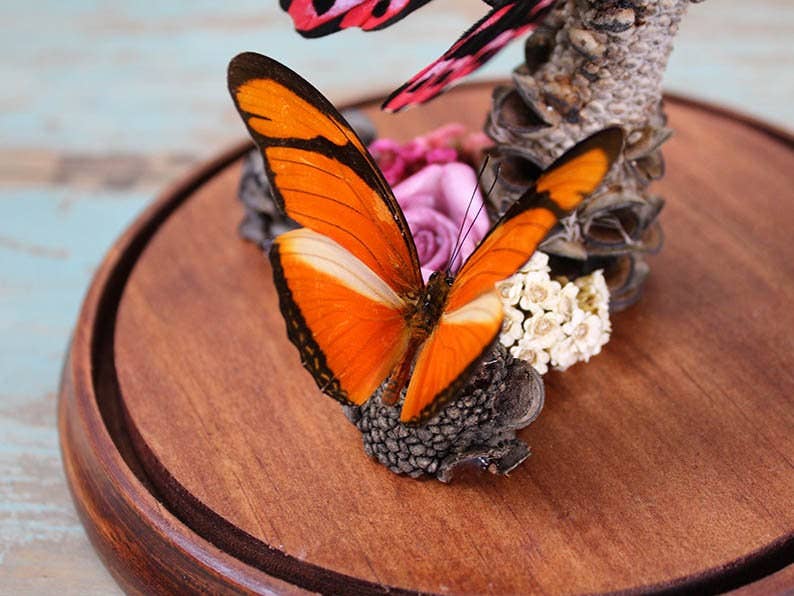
[(103, 103)]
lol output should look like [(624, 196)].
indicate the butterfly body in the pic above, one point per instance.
[(349, 282), (421, 317), (431, 303)]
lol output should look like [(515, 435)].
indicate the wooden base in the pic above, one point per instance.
[(201, 456)]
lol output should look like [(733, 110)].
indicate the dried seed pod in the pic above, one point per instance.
[(477, 428), (596, 63), (625, 278)]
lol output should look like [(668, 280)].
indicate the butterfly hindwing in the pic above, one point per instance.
[(449, 356), (472, 315), (346, 322), (507, 21), (315, 18)]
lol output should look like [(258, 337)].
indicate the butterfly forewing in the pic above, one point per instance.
[(322, 176), (344, 279), (472, 314), (328, 196), (508, 20), (558, 191)]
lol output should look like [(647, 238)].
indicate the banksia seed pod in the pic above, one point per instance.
[(591, 64), (478, 428), (262, 220)]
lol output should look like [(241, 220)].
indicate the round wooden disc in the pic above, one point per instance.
[(201, 454)]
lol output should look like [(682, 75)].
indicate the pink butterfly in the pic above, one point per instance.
[(315, 18), (506, 21)]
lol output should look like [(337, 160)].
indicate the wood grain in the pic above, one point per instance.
[(665, 462)]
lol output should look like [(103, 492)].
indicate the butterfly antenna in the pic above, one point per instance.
[(461, 237), (459, 245)]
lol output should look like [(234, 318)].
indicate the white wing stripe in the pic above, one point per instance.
[(483, 309), (327, 256)]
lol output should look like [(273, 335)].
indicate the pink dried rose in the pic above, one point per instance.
[(434, 201), (391, 159), (446, 144)]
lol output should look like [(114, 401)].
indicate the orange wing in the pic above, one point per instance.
[(472, 314), (558, 191), (346, 322), (344, 279), (321, 174), (449, 356)]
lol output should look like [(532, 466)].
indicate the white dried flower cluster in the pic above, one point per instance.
[(551, 322)]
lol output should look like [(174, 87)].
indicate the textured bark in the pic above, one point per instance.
[(592, 64)]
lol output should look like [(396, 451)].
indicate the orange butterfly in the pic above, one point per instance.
[(349, 282)]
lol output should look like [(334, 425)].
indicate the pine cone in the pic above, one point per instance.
[(477, 429), (592, 64)]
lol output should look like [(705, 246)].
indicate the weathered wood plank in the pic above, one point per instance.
[(50, 242), (149, 77)]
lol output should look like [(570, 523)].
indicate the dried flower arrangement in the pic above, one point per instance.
[(589, 65)]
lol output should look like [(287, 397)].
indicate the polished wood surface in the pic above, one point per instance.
[(664, 462)]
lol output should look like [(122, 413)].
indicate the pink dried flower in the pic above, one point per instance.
[(434, 201), (441, 155), (446, 135), (473, 146), (446, 144), (389, 155)]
